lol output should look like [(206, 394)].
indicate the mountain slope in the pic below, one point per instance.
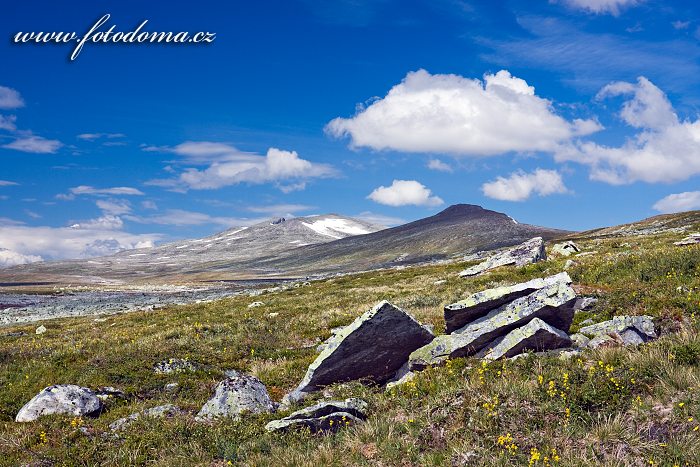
[(240, 245), (295, 248), (459, 229)]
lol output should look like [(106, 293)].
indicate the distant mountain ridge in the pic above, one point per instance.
[(296, 247)]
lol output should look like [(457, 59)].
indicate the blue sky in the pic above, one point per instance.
[(570, 113)]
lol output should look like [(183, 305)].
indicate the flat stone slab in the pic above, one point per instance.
[(479, 304), (372, 347), (553, 304), (535, 335), (236, 395), (528, 252), (64, 399), (324, 416), (643, 324)]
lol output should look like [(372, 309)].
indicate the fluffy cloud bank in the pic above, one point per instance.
[(28, 244), (519, 186), (405, 193), (229, 166), (679, 202), (664, 150), (598, 7), (12, 258), (460, 116)]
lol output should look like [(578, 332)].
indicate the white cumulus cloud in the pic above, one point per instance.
[(520, 185), (460, 116), (405, 193), (679, 202), (664, 150), (229, 166)]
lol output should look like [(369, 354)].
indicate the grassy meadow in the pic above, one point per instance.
[(614, 406)]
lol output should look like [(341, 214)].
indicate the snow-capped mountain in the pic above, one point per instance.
[(236, 246)]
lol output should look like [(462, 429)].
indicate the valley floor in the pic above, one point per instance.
[(614, 406)]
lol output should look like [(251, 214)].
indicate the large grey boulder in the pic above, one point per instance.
[(65, 399), (479, 304), (565, 248), (236, 395), (372, 347), (627, 330), (324, 416), (528, 252), (553, 304), (161, 411), (535, 335)]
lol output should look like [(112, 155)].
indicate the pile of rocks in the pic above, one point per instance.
[(504, 322), (528, 252)]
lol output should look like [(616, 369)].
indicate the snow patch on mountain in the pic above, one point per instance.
[(337, 228)]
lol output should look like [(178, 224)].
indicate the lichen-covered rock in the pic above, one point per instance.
[(553, 304), (602, 340), (585, 303), (324, 416), (479, 304), (66, 399), (372, 347), (579, 340), (174, 365), (528, 252), (535, 335), (402, 376), (565, 248), (236, 395), (161, 411), (643, 325)]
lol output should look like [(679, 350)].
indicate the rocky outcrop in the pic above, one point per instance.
[(161, 411), (623, 330), (531, 251), (372, 347), (553, 304), (324, 416), (236, 395), (565, 248), (479, 304), (535, 335), (64, 399), (692, 239)]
